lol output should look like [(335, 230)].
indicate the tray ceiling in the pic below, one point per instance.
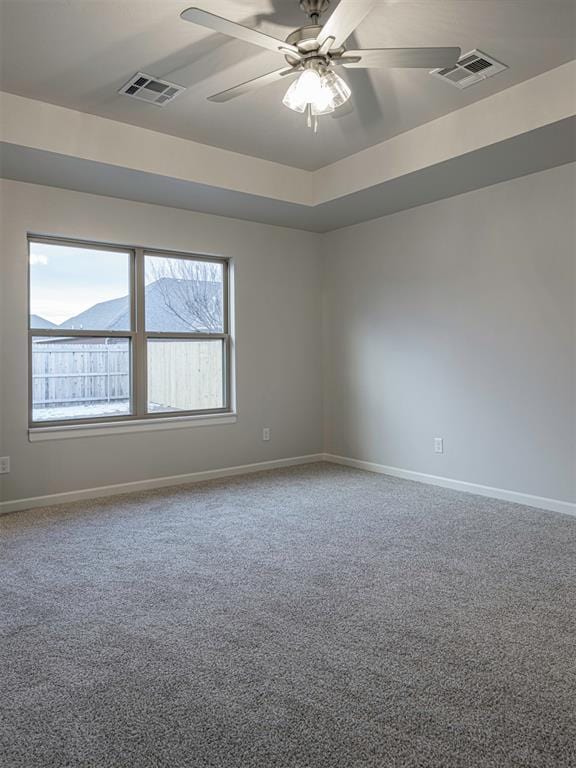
[(78, 54)]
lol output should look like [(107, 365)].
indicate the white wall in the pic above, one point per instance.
[(457, 319), (278, 326)]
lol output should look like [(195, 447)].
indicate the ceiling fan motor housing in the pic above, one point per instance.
[(306, 40)]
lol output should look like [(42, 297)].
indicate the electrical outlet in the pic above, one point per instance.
[(438, 445), (266, 433), (4, 465)]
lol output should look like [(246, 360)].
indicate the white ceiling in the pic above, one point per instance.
[(77, 53)]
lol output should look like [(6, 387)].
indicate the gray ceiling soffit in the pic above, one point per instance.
[(547, 147), (530, 152), (36, 166)]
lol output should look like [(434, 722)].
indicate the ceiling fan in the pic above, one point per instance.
[(314, 51)]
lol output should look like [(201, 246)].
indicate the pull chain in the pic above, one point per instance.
[(311, 120)]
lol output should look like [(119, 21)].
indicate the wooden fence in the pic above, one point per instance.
[(64, 374), (185, 375), (181, 375)]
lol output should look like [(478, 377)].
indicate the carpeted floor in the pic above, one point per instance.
[(314, 617)]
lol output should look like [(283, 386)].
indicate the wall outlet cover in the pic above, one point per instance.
[(438, 445)]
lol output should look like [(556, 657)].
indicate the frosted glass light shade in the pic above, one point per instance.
[(338, 88), (307, 89), (322, 92)]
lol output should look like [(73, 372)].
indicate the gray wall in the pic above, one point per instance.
[(457, 320), (278, 326)]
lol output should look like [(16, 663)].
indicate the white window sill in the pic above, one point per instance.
[(65, 432)]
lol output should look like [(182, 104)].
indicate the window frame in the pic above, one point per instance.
[(137, 336)]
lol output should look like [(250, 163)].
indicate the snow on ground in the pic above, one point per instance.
[(93, 410), (82, 411)]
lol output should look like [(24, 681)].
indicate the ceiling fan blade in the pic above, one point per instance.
[(230, 28), (425, 58), (326, 45), (347, 16), (251, 85)]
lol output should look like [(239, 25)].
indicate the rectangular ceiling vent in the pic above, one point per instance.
[(472, 68), (151, 89)]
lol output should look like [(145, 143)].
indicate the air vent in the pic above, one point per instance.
[(150, 89), (472, 68)]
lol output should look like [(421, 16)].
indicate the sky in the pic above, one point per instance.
[(66, 280)]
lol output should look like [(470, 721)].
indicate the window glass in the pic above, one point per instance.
[(183, 295), (77, 288), (80, 377), (185, 375)]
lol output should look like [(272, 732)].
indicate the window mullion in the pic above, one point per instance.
[(139, 372)]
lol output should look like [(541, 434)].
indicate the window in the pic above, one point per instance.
[(125, 333)]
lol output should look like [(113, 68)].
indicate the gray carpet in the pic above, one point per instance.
[(315, 617)]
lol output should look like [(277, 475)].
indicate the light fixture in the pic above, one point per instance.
[(338, 88), (313, 50), (318, 91)]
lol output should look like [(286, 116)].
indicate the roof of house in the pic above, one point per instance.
[(40, 322), (104, 316), (170, 307)]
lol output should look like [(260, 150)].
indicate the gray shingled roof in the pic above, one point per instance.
[(113, 315), (106, 315), (40, 322)]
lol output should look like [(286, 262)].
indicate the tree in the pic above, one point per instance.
[(191, 291)]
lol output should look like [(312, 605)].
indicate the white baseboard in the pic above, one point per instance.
[(18, 505), (553, 505)]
